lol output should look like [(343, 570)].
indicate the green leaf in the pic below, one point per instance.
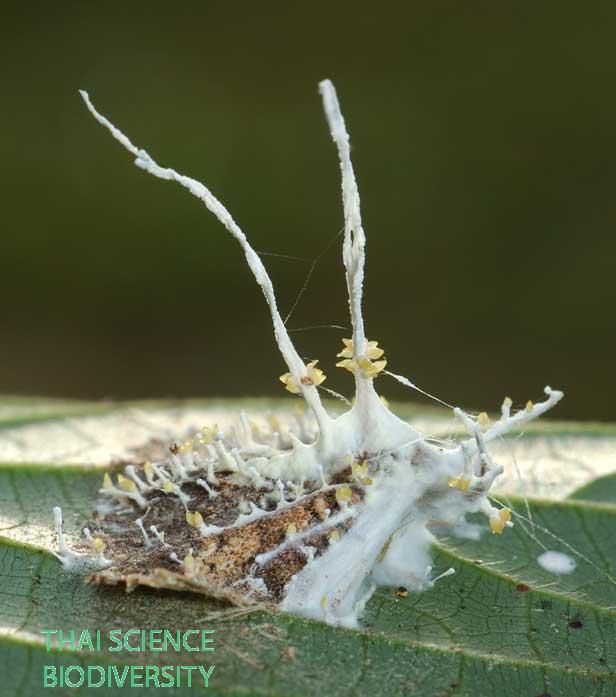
[(502, 625)]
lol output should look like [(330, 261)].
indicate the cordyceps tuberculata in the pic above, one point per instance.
[(308, 514)]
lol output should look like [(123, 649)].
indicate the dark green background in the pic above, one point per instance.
[(485, 145)]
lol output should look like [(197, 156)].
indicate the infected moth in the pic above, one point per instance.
[(308, 517)]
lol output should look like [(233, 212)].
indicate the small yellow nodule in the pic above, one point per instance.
[(348, 364), (185, 448), (334, 537), (483, 420), (107, 483), (347, 351), (126, 484), (324, 602), (507, 403), (344, 494), (359, 472), (368, 363), (194, 519), (314, 376), (290, 383), (291, 529), (189, 563), (372, 350), (274, 423), (371, 369), (98, 545), (206, 435), (529, 406), (500, 520), (168, 487), (147, 468), (460, 482)]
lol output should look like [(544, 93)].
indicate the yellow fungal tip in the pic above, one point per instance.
[(460, 482), (348, 364), (347, 351), (274, 422), (359, 469), (314, 376), (290, 383), (291, 529), (369, 368), (498, 521), (483, 420), (207, 435), (324, 602), (126, 484), (98, 544), (344, 494), (189, 563), (359, 472), (372, 350), (194, 519), (529, 406), (168, 487), (107, 483), (367, 363), (186, 447), (335, 536), (507, 402)]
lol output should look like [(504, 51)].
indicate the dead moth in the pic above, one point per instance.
[(312, 516)]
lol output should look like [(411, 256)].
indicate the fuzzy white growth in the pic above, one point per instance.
[(556, 562), (402, 483)]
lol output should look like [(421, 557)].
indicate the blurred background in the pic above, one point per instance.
[(484, 140)]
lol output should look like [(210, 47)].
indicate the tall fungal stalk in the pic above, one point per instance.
[(310, 517)]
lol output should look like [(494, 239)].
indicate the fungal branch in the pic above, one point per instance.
[(353, 249), (507, 422), (360, 356), (301, 378)]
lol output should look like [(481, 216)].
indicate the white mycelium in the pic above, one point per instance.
[(407, 484)]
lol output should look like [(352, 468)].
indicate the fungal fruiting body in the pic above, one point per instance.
[(313, 516)]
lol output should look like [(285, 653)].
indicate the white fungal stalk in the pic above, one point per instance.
[(387, 484), (76, 561)]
